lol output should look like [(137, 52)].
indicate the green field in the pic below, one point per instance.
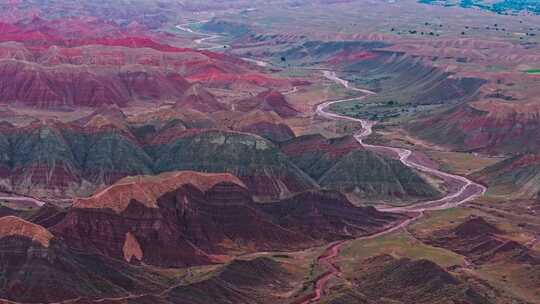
[(386, 110), (399, 244), (533, 71)]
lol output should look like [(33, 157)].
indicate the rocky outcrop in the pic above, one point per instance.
[(12, 226), (47, 215), (191, 224), (32, 260), (105, 114), (147, 189), (188, 218)]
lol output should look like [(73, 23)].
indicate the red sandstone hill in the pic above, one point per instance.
[(38, 267), (33, 260), (177, 219), (266, 124), (488, 126), (147, 189), (386, 279), (79, 41), (191, 218), (39, 34), (198, 98), (482, 242), (515, 176), (267, 101), (107, 75), (52, 60), (35, 85), (206, 67)]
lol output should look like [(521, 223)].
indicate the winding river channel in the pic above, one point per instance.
[(460, 190), (207, 38)]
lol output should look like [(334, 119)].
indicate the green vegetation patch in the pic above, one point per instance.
[(500, 6), (385, 110), (400, 245), (533, 71)]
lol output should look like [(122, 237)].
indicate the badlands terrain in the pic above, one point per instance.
[(283, 151)]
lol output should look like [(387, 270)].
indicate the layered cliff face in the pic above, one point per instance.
[(515, 176), (256, 161), (190, 218), (108, 246), (328, 215), (32, 84), (38, 267), (413, 80), (39, 155), (62, 159), (55, 63), (265, 124), (176, 221), (52, 158), (343, 164), (486, 126)]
